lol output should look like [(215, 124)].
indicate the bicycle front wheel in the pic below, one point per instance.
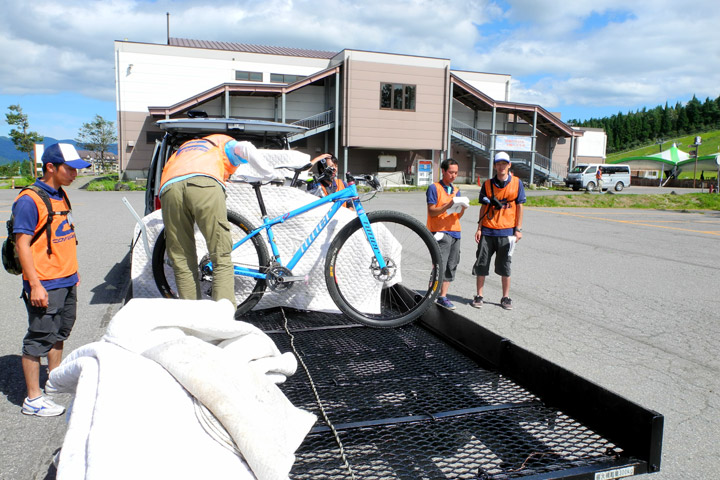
[(252, 254), (394, 296)]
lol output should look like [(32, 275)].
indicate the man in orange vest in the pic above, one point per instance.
[(445, 226), (192, 191), (499, 227), (50, 271), (329, 183)]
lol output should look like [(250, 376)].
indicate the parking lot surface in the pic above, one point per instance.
[(625, 298)]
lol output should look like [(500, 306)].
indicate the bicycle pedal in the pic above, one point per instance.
[(293, 278)]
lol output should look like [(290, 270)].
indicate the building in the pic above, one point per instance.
[(377, 112)]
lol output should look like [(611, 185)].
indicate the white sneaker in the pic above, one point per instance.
[(50, 388), (42, 407)]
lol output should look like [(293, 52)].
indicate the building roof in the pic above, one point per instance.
[(245, 47)]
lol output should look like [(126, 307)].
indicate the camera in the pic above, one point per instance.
[(496, 203)]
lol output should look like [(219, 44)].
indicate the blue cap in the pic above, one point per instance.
[(63, 153)]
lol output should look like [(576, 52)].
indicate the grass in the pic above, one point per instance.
[(690, 201), (104, 184), (7, 183), (710, 144)]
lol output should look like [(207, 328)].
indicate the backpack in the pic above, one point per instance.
[(10, 258)]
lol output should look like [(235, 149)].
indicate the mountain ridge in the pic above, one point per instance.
[(9, 154)]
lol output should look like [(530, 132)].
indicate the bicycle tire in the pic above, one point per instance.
[(357, 288), (248, 290)]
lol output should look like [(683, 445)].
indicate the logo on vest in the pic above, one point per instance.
[(63, 232)]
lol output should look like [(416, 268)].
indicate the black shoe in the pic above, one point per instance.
[(477, 301), (506, 303)]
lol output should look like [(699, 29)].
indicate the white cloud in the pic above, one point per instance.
[(585, 52)]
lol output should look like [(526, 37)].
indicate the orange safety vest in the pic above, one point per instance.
[(202, 156), (338, 186), (445, 222), (506, 216), (62, 262)]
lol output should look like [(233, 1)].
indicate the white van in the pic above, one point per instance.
[(614, 176)]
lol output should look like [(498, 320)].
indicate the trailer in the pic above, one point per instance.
[(445, 398)]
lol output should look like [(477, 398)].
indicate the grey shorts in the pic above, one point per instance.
[(489, 246), (47, 326), (450, 250)]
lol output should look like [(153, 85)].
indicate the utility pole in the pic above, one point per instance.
[(698, 142)]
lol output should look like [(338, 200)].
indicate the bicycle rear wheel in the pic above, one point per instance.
[(396, 296), (252, 254)]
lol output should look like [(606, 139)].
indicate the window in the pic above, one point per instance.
[(397, 96), (284, 78), (248, 76)]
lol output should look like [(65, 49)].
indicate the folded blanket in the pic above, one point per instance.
[(137, 393)]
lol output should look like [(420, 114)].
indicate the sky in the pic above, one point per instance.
[(584, 59)]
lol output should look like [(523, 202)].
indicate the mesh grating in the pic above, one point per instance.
[(406, 405)]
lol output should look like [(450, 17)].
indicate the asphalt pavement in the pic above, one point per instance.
[(625, 298)]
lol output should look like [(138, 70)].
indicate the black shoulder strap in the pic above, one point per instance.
[(46, 200)]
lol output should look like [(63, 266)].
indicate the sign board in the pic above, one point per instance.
[(387, 161), (38, 150), (424, 172), (513, 143)]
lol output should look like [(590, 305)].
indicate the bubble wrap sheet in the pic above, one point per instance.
[(310, 294)]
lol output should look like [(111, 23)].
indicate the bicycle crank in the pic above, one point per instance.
[(281, 278)]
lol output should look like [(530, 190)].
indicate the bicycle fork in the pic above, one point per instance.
[(370, 235)]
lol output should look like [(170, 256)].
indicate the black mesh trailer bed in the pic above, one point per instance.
[(445, 398)]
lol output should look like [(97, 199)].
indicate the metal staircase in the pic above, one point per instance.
[(478, 142), (315, 124)]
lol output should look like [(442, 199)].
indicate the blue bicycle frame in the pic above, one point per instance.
[(338, 199)]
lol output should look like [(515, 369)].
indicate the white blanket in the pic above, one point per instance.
[(134, 414)]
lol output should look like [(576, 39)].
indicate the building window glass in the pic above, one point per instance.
[(397, 96), (248, 76), (284, 78)]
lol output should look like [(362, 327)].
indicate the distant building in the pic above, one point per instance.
[(108, 164), (589, 148), (375, 111)]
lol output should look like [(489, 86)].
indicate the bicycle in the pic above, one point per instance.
[(382, 269)]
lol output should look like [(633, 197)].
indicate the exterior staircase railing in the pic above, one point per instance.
[(314, 124)]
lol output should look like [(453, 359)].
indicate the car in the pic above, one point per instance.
[(261, 133), (583, 176)]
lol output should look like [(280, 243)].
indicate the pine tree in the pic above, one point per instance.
[(23, 139)]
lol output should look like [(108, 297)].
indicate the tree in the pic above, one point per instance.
[(97, 136), (23, 139)]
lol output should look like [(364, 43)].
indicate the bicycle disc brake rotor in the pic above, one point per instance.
[(274, 274), (390, 270)]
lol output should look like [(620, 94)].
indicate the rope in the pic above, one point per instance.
[(317, 396)]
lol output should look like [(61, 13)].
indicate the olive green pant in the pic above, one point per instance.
[(198, 200)]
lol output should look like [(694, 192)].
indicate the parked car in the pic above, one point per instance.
[(614, 176), (262, 134)]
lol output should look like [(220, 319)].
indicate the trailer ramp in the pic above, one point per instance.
[(407, 403)]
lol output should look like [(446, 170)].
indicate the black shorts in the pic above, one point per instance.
[(489, 246), (47, 326)]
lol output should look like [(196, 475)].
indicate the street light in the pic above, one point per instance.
[(698, 142), (659, 143)]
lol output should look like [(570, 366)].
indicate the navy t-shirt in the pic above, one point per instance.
[(432, 198), (25, 219)]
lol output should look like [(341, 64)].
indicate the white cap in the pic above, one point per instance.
[(502, 157)]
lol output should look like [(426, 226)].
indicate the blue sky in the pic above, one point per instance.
[(583, 58)]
